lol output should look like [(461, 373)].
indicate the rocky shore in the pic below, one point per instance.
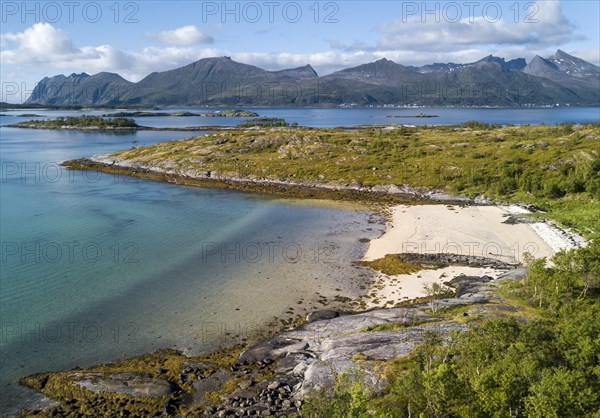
[(275, 376), (169, 171)]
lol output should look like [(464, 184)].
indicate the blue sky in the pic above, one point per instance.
[(134, 38)]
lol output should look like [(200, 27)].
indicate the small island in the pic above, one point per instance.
[(265, 123), (229, 113), (92, 123), (420, 115), (232, 113), (104, 123)]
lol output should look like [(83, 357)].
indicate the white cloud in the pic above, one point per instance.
[(42, 47), (41, 39), (540, 27), (590, 55), (186, 35)]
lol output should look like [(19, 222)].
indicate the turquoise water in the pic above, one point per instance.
[(97, 267)]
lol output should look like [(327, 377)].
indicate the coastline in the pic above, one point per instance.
[(390, 194), (259, 306), (277, 371), (420, 221), (305, 355)]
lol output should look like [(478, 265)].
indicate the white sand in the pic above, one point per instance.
[(473, 230)]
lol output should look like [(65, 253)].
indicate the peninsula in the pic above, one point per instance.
[(553, 167)]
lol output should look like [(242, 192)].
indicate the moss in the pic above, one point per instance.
[(391, 265), (228, 387), (389, 326), (454, 312), (359, 358), (164, 364)]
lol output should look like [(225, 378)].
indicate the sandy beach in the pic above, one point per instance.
[(473, 231)]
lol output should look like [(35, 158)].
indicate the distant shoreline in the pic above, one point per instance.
[(124, 128), (53, 108)]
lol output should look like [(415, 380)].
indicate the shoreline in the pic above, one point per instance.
[(317, 294), (509, 234), (126, 128), (389, 194)]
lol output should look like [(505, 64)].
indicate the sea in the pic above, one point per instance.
[(97, 267)]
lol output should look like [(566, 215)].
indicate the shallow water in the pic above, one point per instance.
[(97, 267)]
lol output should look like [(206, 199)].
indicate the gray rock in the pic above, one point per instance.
[(124, 383), (212, 383), (288, 364), (319, 315), (273, 385)]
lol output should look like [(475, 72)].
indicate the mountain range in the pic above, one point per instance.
[(561, 79)]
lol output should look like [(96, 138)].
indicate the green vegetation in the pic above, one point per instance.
[(264, 123), (531, 352), (237, 113), (556, 168), (95, 122), (392, 265), (434, 292), (581, 214), (542, 365)]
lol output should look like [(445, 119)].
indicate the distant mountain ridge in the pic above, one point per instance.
[(574, 66), (516, 64), (560, 79)]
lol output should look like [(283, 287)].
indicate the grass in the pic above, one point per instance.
[(583, 215), (388, 326), (555, 167)]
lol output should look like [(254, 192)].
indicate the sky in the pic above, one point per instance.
[(135, 38)]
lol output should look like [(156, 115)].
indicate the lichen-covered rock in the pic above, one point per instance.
[(123, 383)]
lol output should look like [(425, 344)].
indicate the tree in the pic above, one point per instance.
[(434, 292), (559, 393)]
